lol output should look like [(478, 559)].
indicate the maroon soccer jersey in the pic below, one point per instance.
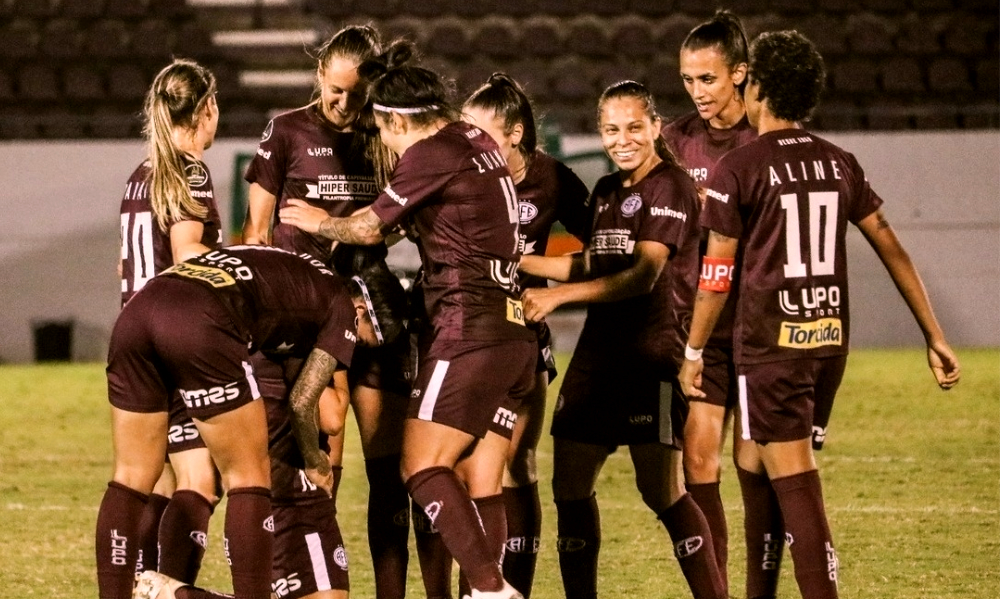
[(663, 208), (146, 248), (456, 188), (549, 192), (282, 303), (301, 156), (699, 146), (788, 197)]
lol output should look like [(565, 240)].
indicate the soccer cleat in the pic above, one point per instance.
[(507, 591), (151, 584)]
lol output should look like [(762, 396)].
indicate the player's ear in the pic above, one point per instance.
[(400, 124), (739, 73), (516, 134)]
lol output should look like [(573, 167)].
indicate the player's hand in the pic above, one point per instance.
[(321, 474), (690, 378), (944, 364), (539, 302), (303, 215)]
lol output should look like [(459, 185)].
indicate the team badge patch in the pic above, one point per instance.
[(267, 131), (528, 212), (196, 175), (631, 205), (340, 557)]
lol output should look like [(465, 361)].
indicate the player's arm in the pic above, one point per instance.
[(185, 240), (260, 208), (713, 290), (940, 357), (650, 259), (571, 267), (333, 404), (363, 228), (304, 401)]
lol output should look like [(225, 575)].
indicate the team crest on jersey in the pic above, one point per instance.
[(631, 205), (196, 175), (267, 131), (528, 212)]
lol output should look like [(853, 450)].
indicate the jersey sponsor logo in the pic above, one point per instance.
[(196, 175), (350, 336), (182, 433), (657, 211), (724, 198), (265, 154), (400, 200), (688, 546), (570, 544), (283, 586), (473, 133), (524, 246), (611, 243), (698, 173), (342, 189), (515, 311), (812, 302), (319, 151), (801, 171), (504, 272), (528, 212), (200, 538), (119, 548), (794, 140), (631, 205), (213, 395), (202, 194), (716, 274), (340, 557), (217, 278), (505, 418), (523, 545), (267, 131), (806, 336), (230, 263)]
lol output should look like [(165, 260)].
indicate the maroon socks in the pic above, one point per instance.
[(149, 533), (388, 526), (579, 543), (249, 541), (693, 548), (117, 540), (765, 534), (708, 499), (494, 519), (809, 538), (435, 560), (524, 531), (184, 535)]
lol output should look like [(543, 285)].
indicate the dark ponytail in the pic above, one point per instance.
[(634, 89), (725, 32), (396, 83), (505, 98)]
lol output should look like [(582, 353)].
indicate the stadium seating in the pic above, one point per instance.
[(79, 68)]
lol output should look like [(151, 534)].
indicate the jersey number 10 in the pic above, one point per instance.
[(137, 241), (823, 208)]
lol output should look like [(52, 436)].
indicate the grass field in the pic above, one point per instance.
[(911, 478)]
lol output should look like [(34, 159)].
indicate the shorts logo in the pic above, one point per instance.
[(340, 557), (200, 538), (216, 278), (119, 546), (524, 545), (267, 131), (631, 205), (515, 311), (196, 175), (805, 336), (818, 436), (182, 433), (688, 546), (415, 393), (505, 418), (283, 586), (640, 420), (568, 544), (528, 212), (212, 395), (432, 510), (269, 524)]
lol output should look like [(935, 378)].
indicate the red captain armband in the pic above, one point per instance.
[(716, 274)]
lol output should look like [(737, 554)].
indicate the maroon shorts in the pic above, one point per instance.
[(473, 386), (182, 434), (718, 378), (612, 399), (780, 401), (309, 553), (175, 335), (383, 368)]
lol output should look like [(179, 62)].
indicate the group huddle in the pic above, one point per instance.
[(713, 270)]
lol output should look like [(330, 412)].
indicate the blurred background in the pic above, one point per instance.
[(913, 91)]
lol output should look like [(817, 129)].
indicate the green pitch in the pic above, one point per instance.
[(911, 478)]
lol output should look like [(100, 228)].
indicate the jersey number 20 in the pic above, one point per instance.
[(823, 208)]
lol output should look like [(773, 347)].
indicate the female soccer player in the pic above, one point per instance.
[(315, 153), (452, 184), (638, 272), (784, 202), (168, 214), (547, 191), (187, 336), (713, 65)]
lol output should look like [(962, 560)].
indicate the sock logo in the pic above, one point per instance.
[(119, 546), (688, 546), (269, 524), (340, 557), (225, 548), (570, 544), (432, 510), (402, 518), (772, 553), (789, 540), (200, 538), (832, 564), (528, 545)]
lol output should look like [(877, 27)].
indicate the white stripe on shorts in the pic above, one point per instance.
[(254, 390), (318, 560), (744, 412), (426, 412)]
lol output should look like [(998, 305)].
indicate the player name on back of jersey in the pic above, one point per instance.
[(794, 172)]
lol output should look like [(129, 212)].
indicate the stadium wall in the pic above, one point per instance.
[(59, 234)]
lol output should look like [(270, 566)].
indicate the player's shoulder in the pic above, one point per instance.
[(682, 126), (286, 121)]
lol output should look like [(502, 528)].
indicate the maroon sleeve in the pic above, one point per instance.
[(721, 212), (572, 209), (268, 169), (866, 201), (668, 210), (422, 170), (338, 336)]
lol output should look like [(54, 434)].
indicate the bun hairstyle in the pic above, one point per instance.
[(177, 97), (419, 93), (386, 300), (634, 89), (506, 99), (358, 42), (725, 32)]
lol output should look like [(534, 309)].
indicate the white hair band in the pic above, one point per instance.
[(371, 309), (404, 110)]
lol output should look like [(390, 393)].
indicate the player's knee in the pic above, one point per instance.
[(136, 477), (701, 464), (522, 469)]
